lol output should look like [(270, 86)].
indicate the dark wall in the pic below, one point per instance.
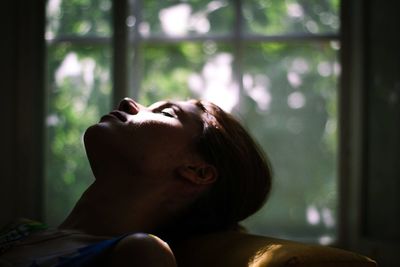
[(21, 106), (370, 129), (7, 105), (383, 120), (382, 143)]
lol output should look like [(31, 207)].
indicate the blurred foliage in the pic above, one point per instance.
[(288, 96), (216, 16), (167, 69), (291, 16), (297, 128), (78, 18), (78, 93)]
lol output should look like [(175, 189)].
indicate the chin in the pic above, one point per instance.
[(99, 148), (104, 148), (98, 135), (91, 136)]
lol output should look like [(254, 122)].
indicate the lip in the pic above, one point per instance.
[(115, 115), (119, 115)]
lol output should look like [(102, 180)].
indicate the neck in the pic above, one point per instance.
[(99, 212)]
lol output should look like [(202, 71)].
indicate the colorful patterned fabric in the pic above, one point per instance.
[(71, 248), (89, 256), (17, 231)]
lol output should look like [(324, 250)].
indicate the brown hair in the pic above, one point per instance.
[(244, 177), (244, 173), (243, 183)]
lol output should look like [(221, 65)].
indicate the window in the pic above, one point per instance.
[(79, 54), (272, 63)]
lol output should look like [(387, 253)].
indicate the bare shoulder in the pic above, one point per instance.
[(142, 250)]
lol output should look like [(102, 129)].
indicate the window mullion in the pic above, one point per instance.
[(238, 49), (135, 59), (120, 50)]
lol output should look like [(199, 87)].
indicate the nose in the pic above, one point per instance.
[(129, 106)]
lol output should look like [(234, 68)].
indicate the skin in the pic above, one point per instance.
[(142, 250), (146, 171)]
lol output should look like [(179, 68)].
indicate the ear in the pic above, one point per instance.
[(199, 173)]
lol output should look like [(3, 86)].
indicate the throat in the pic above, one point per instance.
[(99, 213)]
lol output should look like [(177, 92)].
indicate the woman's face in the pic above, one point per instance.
[(141, 140)]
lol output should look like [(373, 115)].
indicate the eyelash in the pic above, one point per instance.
[(168, 114)]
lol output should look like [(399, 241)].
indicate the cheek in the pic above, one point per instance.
[(151, 139), (167, 151), (165, 147), (157, 132)]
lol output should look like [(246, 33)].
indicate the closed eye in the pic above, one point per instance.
[(169, 112)]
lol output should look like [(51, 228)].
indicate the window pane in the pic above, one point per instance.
[(185, 18), (289, 103), (291, 16), (202, 70), (84, 17), (78, 93)]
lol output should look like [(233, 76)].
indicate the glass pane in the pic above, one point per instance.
[(78, 18), (189, 70), (291, 16), (186, 17), (290, 104), (78, 94)]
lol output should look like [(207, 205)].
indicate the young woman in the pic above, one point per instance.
[(173, 169)]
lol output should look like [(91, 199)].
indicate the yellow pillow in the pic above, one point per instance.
[(240, 249)]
